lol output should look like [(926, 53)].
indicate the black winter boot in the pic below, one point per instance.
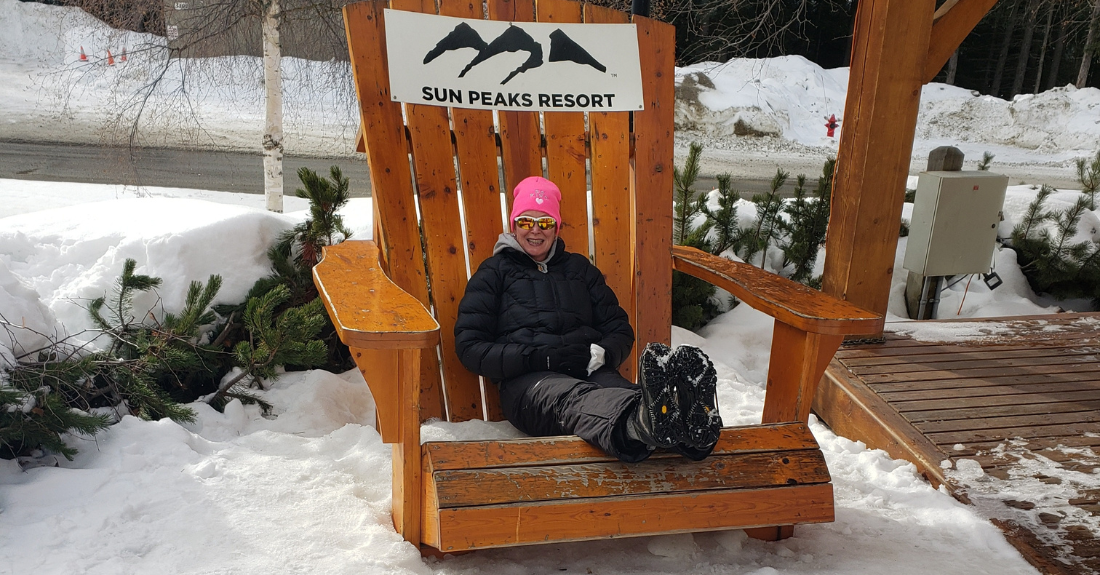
[(657, 421), (695, 382)]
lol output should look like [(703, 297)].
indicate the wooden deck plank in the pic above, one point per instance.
[(1076, 367), (963, 365), (1013, 421), (1034, 444), (1001, 434), (1020, 409), (954, 355), (1056, 383), (913, 409)]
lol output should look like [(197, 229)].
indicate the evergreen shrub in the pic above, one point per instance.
[(796, 227), (152, 367)]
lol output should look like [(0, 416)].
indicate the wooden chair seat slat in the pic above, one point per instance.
[(470, 487), (443, 455), (465, 528)]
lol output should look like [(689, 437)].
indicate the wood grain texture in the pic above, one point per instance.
[(1073, 368), (406, 454), (381, 371), (609, 156), (437, 186), (571, 449), (578, 519), (464, 488), (787, 301), (947, 354), (520, 136), (918, 409), (476, 147), (391, 179), (889, 49), (367, 308), (962, 365), (798, 360), (565, 144), (651, 179), (949, 31)]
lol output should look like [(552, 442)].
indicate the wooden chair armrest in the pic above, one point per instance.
[(368, 310), (787, 301)]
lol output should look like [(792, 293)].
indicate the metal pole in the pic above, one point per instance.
[(640, 7)]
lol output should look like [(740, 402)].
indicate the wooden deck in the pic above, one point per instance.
[(1018, 396)]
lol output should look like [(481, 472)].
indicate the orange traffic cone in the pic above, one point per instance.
[(83, 56), (110, 59), (122, 58)]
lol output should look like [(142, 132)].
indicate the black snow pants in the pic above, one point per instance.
[(548, 403)]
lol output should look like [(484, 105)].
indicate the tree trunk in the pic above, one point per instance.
[(273, 119), (1043, 49), (1025, 47), (1010, 27), (1059, 47), (952, 67), (1090, 45)]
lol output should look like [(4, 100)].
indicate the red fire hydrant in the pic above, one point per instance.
[(832, 124)]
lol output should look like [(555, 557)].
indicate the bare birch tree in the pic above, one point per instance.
[(273, 117), (1090, 45)]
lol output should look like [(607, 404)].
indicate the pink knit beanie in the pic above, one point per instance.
[(535, 193)]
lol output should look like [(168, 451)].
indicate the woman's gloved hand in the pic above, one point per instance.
[(572, 360)]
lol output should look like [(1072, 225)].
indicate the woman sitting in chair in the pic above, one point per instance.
[(542, 324)]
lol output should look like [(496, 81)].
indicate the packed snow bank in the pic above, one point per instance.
[(54, 261), (48, 94), (307, 489), (792, 97)]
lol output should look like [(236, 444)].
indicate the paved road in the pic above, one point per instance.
[(204, 170)]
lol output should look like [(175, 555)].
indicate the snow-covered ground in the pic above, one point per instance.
[(308, 490)]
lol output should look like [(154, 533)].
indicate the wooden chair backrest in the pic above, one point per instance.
[(463, 162)]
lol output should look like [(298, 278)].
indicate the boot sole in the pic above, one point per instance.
[(659, 396), (697, 395)]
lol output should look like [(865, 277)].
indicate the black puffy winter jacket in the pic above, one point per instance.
[(511, 308)]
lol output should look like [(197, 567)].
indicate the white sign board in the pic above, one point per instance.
[(493, 65)]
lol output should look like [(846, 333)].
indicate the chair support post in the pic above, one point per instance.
[(406, 453), (798, 360)]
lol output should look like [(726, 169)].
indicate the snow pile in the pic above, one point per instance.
[(308, 489), (53, 262), (792, 97), (787, 96), (1063, 122), (48, 94)]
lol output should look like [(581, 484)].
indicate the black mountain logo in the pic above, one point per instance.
[(514, 39)]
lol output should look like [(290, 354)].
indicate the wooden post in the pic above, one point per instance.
[(889, 50), (406, 454)]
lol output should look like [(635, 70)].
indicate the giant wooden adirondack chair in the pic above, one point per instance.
[(439, 215)]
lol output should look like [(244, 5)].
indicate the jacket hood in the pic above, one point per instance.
[(508, 241)]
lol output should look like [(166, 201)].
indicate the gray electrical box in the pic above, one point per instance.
[(954, 224)]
